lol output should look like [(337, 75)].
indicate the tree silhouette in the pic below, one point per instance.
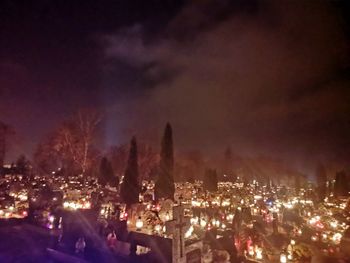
[(23, 165), (228, 161), (130, 189), (106, 174), (321, 179), (297, 183), (210, 182), (164, 187), (342, 185), (70, 146), (5, 131)]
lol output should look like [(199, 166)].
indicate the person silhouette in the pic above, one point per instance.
[(111, 239), (80, 246)]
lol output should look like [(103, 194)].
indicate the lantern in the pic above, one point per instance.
[(158, 228), (283, 258), (167, 216), (258, 254), (203, 223), (139, 224)]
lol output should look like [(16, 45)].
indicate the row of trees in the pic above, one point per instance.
[(164, 186), (116, 162), (72, 148), (340, 187)]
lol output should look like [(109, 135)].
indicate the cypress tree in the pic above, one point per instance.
[(106, 175), (210, 182), (321, 178), (341, 186), (102, 174), (164, 187), (130, 189), (297, 183), (228, 163), (22, 165)]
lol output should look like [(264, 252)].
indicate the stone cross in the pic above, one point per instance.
[(178, 227)]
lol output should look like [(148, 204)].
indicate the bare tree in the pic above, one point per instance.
[(71, 144), (87, 124)]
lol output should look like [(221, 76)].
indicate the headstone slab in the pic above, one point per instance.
[(166, 209), (194, 256), (167, 205), (194, 252)]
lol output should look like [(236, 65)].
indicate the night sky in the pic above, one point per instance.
[(266, 77)]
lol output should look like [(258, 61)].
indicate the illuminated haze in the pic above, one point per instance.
[(265, 77)]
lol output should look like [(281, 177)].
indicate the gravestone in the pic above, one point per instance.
[(166, 212), (193, 251)]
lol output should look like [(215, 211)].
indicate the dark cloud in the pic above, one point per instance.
[(265, 80)]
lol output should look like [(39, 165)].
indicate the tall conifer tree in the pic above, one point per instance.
[(165, 187), (342, 185), (210, 180), (130, 187), (321, 178), (106, 175)]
